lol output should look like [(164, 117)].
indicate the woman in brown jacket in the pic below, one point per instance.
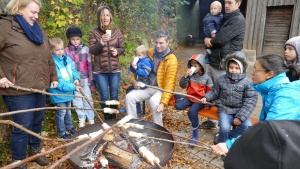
[(25, 61), (106, 44)]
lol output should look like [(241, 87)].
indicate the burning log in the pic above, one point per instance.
[(121, 157)]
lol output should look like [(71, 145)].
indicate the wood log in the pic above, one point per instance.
[(117, 156)]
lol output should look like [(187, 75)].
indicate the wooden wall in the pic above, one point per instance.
[(256, 19)]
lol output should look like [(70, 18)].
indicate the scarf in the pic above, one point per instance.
[(159, 56), (33, 33)]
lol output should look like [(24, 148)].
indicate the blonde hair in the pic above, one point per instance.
[(142, 48), (110, 26), (55, 41), (14, 6), (217, 3)]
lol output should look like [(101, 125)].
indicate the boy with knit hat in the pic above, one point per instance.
[(82, 59), (234, 96), (197, 82)]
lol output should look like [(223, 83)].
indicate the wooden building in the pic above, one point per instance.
[(269, 23)]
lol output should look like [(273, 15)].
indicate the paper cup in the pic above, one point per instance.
[(135, 60), (108, 32), (192, 70)]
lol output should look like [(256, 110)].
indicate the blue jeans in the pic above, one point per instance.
[(225, 122), (82, 103), (30, 120), (63, 118), (183, 103), (105, 82)]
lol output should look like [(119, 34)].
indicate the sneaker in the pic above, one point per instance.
[(216, 139), (92, 122), (71, 131), (22, 166), (122, 110), (208, 125), (64, 136)]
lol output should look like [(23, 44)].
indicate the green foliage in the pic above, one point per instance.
[(4, 151)]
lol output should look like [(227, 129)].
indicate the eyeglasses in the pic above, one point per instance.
[(257, 70)]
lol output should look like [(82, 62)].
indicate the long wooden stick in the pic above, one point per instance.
[(31, 132), (43, 108), (92, 107), (187, 95), (13, 165)]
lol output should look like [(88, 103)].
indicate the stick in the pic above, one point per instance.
[(31, 132), (42, 108), (13, 165), (92, 107), (187, 95)]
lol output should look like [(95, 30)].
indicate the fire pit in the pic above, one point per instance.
[(161, 149)]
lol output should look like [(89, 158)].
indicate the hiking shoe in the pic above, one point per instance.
[(208, 125), (216, 139), (71, 131), (42, 160), (22, 166), (64, 136)]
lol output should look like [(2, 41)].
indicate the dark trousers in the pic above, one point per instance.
[(183, 103), (30, 120)]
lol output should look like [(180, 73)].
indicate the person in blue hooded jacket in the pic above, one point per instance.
[(280, 97), (67, 84)]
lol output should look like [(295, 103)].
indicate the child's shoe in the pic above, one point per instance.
[(92, 122), (71, 131), (64, 136), (207, 58), (122, 110), (81, 123)]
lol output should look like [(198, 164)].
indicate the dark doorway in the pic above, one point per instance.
[(277, 29), (204, 8)]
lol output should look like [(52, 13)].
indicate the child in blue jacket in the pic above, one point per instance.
[(67, 84), (141, 66)]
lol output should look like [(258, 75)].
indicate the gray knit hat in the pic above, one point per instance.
[(295, 43)]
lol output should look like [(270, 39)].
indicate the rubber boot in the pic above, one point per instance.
[(43, 160), (138, 108), (195, 136)]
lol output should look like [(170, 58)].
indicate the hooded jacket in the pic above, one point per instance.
[(295, 43), (267, 145), (229, 39), (144, 67), (21, 61), (198, 83), (104, 61), (233, 93), (67, 74)]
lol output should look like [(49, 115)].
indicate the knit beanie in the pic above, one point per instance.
[(73, 31), (295, 43)]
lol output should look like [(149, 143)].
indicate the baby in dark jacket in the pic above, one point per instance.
[(212, 23)]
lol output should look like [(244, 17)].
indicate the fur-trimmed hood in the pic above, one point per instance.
[(240, 56)]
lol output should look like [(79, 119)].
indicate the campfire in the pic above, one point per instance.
[(127, 146)]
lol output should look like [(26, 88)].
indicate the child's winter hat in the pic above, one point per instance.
[(295, 43), (239, 57), (73, 31)]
